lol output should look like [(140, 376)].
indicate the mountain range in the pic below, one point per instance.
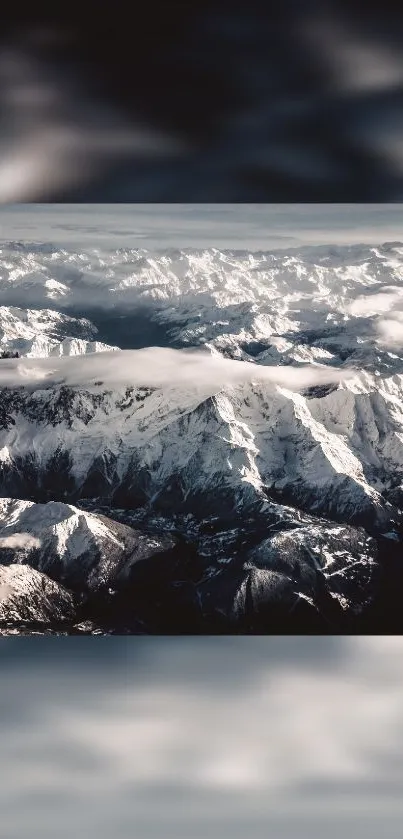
[(201, 440)]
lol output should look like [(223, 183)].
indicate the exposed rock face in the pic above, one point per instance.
[(29, 597)]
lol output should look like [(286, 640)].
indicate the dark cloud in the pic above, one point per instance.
[(203, 102)]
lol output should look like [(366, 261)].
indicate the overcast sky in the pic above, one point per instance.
[(188, 737), (251, 226)]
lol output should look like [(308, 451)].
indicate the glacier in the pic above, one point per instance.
[(273, 466)]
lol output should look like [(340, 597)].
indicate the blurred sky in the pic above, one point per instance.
[(203, 101), (249, 226), (189, 737)]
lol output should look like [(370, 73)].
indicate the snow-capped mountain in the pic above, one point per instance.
[(79, 549), (34, 333), (59, 563), (337, 453), (308, 478)]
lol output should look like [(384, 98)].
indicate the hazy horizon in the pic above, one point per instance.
[(232, 226)]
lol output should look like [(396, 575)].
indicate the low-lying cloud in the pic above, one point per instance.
[(19, 540), (158, 367), (390, 330), (387, 302), (373, 304)]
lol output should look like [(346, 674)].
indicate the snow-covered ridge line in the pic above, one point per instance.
[(110, 277), (335, 249), (225, 298), (40, 333), (331, 452)]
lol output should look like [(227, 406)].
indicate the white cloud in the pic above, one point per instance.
[(390, 300), (390, 330), (19, 540), (375, 303), (157, 367)]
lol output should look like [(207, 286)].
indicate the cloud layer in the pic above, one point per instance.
[(158, 367), (19, 540), (390, 302)]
